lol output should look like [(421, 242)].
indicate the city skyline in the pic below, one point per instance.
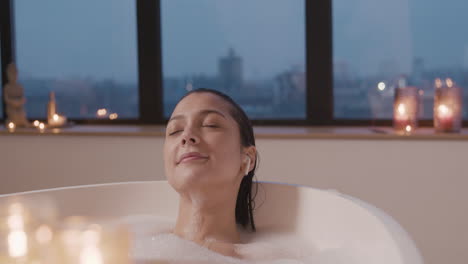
[(374, 40), (367, 33)]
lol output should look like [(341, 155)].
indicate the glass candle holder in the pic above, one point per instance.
[(447, 106), (405, 108)]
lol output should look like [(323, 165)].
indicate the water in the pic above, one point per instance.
[(152, 243)]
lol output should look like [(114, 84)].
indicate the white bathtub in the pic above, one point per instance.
[(330, 221)]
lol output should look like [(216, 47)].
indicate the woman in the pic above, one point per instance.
[(210, 159)]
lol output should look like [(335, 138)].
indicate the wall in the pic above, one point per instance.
[(422, 184)]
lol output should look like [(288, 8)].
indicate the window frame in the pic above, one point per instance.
[(319, 68)]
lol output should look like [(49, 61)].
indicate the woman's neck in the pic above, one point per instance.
[(207, 221)]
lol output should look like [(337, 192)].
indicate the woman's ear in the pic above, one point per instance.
[(251, 155)]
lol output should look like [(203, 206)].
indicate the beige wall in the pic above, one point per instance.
[(422, 184)]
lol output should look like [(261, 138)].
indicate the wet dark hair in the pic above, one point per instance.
[(245, 204)]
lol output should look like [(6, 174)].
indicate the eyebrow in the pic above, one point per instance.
[(202, 112)]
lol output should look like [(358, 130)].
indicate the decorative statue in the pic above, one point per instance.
[(13, 93)]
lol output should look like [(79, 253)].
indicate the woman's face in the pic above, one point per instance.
[(202, 150)]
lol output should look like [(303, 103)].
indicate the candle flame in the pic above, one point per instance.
[(41, 126), (36, 123), (408, 128), (113, 116), (101, 112), (55, 117), (17, 244), (444, 111), (11, 125), (401, 109)]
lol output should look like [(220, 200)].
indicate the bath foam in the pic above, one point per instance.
[(152, 243)]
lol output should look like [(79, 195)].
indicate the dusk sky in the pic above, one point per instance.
[(97, 39)]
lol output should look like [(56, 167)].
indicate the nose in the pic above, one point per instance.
[(189, 138)]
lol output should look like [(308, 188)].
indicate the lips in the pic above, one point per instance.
[(191, 156)]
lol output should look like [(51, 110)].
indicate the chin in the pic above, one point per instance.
[(187, 179)]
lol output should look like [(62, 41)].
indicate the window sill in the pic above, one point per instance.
[(270, 132)]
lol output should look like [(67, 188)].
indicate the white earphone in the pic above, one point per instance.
[(247, 167)]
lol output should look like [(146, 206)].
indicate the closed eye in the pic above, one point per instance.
[(175, 132), (213, 126)]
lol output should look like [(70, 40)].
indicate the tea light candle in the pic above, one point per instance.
[(57, 120), (101, 113), (408, 129), (11, 127), (113, 116), (41, 127)]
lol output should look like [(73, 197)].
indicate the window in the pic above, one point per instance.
[(376, 41), (252, 50), (84, 51), (285, 62)]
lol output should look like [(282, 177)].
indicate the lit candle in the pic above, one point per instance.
[(17, 243), (401, 112), (406, 103), (41, 127), (101, 113), (57, 120), (402, 118), (91, 253), (17, 239), (36, 123), (445, 117), (447, 106), (408, 129), (11, 127), (113, 116)]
